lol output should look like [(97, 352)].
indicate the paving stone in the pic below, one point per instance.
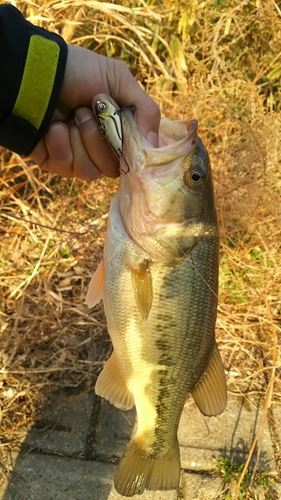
[(147, 495), (64, 430), (204, 439), (201, 486), (45, 477), (113, 430)]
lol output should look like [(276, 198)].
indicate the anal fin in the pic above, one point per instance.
[(210, 394), (95, 290), (111, 385), (141, 280)]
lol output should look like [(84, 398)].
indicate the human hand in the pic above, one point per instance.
[(76, 147)]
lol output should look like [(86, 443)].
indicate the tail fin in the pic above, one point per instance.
[(138, 470)]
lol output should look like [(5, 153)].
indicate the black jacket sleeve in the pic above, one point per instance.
[(32, 64)]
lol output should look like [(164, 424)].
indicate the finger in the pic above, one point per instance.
[(83, 166), (97, 148), (64, 154), (54, 153), (40, 153), (60, 156)]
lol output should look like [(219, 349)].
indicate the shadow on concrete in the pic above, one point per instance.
[(71, 451), (239, 446)]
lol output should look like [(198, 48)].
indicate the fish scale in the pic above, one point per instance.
[(159, 284)]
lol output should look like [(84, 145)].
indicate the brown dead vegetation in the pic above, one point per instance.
[(218, 62)]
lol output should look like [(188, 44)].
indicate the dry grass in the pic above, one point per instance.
[(218, 62)]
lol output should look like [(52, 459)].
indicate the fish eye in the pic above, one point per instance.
[(194, 177)]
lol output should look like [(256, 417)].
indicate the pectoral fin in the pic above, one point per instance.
[(210, 394), (142, 286), (112, 386), (95, 290)]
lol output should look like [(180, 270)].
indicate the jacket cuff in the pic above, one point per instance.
[(38, 94)]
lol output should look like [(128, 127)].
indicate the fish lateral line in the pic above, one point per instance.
[(185, 254), (203, 279)]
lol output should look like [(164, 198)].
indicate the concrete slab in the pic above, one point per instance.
[(201, 487), (65, 429), (46, 477), (113, 430), (147, 495), (204, 439)]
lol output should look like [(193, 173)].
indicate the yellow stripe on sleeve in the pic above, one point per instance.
[(38, 80)]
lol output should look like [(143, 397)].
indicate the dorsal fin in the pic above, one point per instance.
[(210, 394), (95, 290)]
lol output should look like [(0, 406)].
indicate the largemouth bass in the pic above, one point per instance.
[(159, 282)]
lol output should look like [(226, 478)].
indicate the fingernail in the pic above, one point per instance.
[(152, 138), (82, 115)]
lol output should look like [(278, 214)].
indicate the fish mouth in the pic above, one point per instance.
[(177, 138)]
